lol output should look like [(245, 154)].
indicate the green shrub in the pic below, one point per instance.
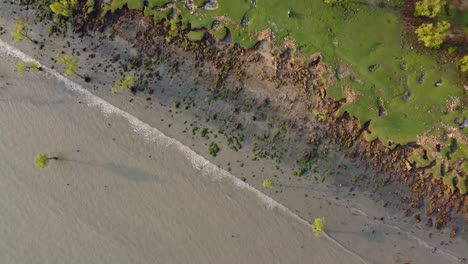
[(63, 7), (19, 32), (451, 50), (268, 183), (89, 7), (22, 68), (428, 8), (318, 226), (433, 36), (68, 62), (463, 64), (41, 160), (213, 149), (123, 84)]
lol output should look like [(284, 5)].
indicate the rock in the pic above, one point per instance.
[(465, 124), (342, 72), (421, 79), (438, 83), (373, 67), (429, 222), (453, 232), (115, 58), (457, 121)]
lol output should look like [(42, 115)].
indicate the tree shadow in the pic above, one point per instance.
[(131, 173)]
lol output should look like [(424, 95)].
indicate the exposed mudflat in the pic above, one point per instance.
[(124, 192)]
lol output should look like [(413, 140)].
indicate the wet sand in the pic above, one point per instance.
[(134, 197)]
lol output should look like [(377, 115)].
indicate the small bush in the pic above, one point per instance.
[(63, 7), (213, 149), (68, 62), (428, 8), (463, 64), (318, 226), (123, 84), (41, 160), (19, 32), (433, 36), (268, 183)]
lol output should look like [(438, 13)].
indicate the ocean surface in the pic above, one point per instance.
[(122, 192)]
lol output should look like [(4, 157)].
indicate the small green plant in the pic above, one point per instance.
[(213, 149), (428, 8), (463, 64), (173, 30), (41, 160), (19, 32), (318, 226), (63, 7), (69, 62), (204, 133), (123, 84), (433, 36), (22, 68), (268, 183), (89, 7), (451, 50)]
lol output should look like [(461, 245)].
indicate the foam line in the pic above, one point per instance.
[(153, 135)]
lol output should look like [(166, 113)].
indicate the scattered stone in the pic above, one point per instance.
[(342, 72), (465, 124), (421, 78), (407, 212), (438, 83), (417, 218), (453, 232), (373, 67), (115, 58)]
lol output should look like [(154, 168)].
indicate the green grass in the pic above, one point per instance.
[(357, 35), (196, 35), (221, 33)]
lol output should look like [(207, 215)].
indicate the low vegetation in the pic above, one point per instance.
[(433, 35), (318, 226), (268, 183), (41, 160), (428, 8), (63, 7), (213, 149), (22, 68), (19, 32), (124, 83), (68, 62)]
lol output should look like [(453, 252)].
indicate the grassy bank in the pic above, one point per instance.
[(408, 96)]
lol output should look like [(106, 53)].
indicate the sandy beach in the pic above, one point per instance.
[(132, 187)]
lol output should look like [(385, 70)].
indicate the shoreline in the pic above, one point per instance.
[(143, 97), (303, 91)]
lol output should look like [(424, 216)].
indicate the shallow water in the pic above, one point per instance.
[(114, 197)]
